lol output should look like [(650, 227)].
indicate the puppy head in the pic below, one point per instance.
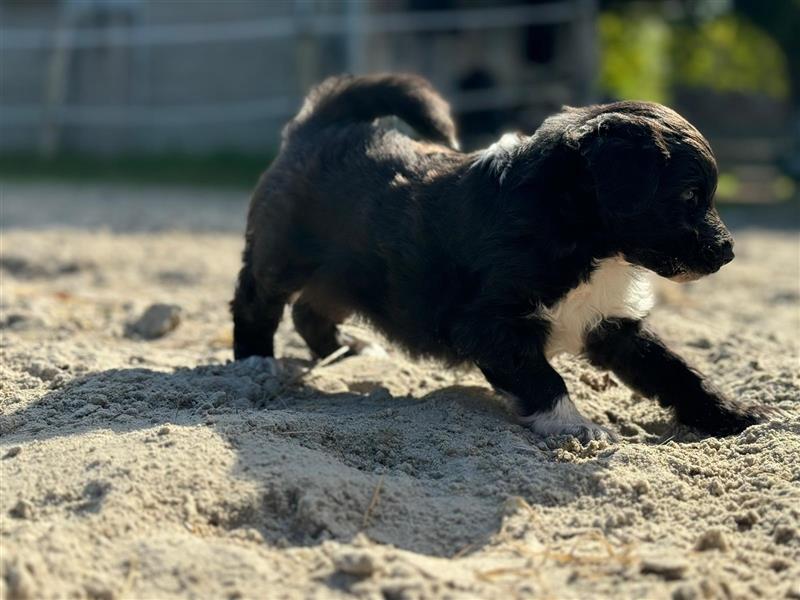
[(653, 178)]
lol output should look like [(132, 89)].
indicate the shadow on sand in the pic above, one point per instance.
[(443, 465)]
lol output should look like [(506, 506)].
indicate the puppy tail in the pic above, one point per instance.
[(363, 99)]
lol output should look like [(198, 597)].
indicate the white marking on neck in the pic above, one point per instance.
[(686, 277), (497, 157), (506, 143), (616, 288)]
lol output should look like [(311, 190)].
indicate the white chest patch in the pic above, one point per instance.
[(615, 289)]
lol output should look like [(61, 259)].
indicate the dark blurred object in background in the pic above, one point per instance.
[(481, 123), (93, 87)]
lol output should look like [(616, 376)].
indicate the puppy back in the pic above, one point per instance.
[(343, 99)]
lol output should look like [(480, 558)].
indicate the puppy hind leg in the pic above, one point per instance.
[(319, 332), (256, 315), (319, 329)]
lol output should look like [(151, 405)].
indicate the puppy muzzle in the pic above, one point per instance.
[(717, 255)]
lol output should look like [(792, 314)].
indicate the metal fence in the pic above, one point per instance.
[(357, 24)]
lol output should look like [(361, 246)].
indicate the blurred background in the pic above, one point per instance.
[(196, 92)]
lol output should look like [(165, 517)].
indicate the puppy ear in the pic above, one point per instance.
[(624, 155)]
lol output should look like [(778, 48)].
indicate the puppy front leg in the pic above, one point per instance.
[(542, 400), (643, 362)]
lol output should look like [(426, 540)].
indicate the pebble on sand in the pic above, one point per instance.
[(358, 563), (713, 539), (157, 321), (12, 452), (22, 510), (670, 568)]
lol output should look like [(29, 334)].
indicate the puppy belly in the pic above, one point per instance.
[(615, 289)]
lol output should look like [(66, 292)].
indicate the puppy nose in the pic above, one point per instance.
[(726, 252), (718, 254)]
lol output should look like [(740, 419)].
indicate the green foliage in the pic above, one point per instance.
[(729, 55), (645, 57), (224, 169), (635, 56)]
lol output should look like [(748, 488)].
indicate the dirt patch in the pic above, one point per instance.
[(158, 468)]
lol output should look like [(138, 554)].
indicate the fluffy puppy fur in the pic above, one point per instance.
[(500, 258)]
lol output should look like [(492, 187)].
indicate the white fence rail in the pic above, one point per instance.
[(282, 27), (354, 25)]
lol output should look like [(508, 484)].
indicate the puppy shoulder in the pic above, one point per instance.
[(497, 158)]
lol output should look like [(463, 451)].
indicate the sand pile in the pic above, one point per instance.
[(138, 467)]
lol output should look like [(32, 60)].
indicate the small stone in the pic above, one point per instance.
[(784, 534), (629, 430), (17, 322), (670, 568), (95, 591), (20, 580), (778, 565), (165, 430), (380, 394), (22, 510), (218, 399), (745, 521), (96, 490), (713, 539), (157, 321), (43, 371), (686, 591), (12, 452), (358, 563), (716, 488), (702, 342)]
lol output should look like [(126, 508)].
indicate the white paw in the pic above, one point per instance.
[(266, 363), (362, 347), (565, 419), (272, 366)]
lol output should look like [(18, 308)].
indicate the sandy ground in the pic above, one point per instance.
[(156, 469)]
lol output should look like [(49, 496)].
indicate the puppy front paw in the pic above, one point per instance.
[(565, 419), (720, 416), (269, 364)]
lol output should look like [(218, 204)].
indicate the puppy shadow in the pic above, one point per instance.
[(427, 473)]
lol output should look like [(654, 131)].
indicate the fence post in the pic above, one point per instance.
[(586, 55), (57, 83), (354, 36)]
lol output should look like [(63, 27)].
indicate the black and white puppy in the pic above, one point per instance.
[(501, 258)]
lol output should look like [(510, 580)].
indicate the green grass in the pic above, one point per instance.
[(223, 169)]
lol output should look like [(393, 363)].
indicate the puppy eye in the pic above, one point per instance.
[(690, 195)]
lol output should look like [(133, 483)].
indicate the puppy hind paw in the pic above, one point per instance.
[(374, 350), (359, 347)]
